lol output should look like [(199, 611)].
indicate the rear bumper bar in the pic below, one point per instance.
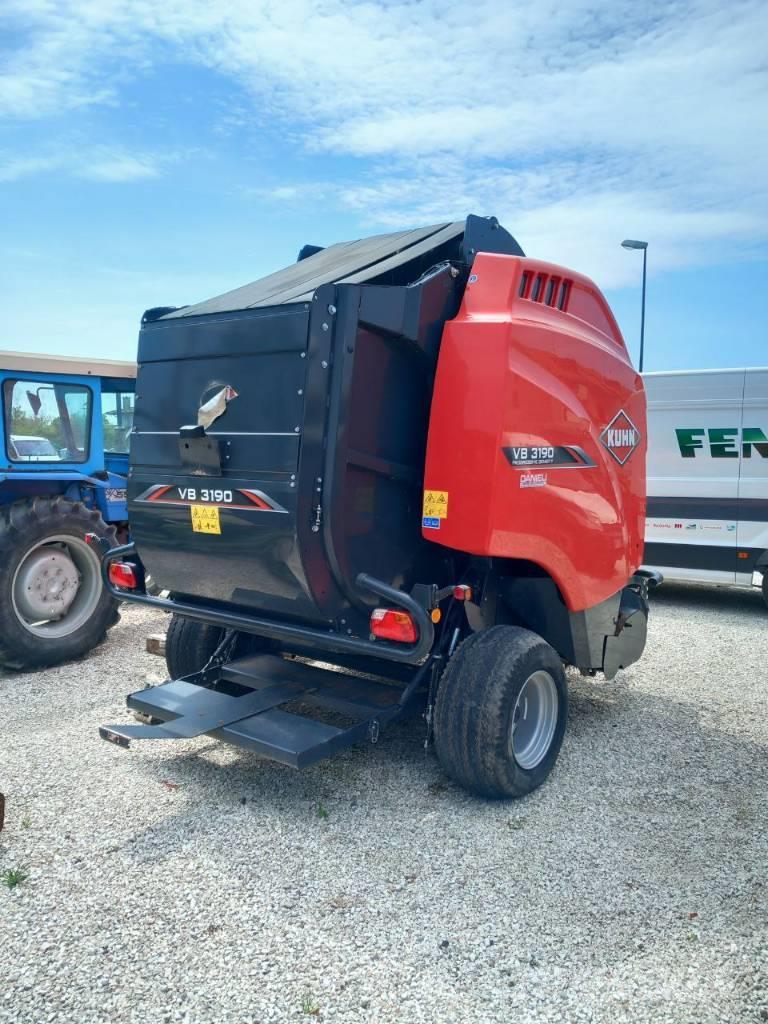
[(411, 654)]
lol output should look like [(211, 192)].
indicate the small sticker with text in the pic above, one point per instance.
[(435, 505), (533, 479)]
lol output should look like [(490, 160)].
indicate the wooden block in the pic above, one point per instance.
[(156, 643)]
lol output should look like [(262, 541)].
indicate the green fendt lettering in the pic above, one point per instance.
[(753, 437), (688, 441), (723, 442)]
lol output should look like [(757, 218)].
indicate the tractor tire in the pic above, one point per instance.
[(189, 645), (501, 712), (53, 605)]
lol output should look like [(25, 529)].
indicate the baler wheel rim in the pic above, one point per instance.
[(534, 720)]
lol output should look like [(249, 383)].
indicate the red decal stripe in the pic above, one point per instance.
[(258, 502), (159, 493)]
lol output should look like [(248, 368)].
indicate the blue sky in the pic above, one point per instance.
[(158, 152)]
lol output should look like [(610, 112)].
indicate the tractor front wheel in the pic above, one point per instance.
[(53, 606), (501, 712)]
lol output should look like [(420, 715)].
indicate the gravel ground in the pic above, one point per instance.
[(192, 882)]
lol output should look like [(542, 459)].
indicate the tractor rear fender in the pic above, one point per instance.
[(20, 487)]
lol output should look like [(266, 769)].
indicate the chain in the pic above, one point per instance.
[(223, 652), (428, 714)]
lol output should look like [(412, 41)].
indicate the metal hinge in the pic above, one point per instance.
[(318, 519)]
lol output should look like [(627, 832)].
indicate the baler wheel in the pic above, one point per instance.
[(190, 644), (501, 712)]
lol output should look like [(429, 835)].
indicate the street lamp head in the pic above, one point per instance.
[(631, 243)]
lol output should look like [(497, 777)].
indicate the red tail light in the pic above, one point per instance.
[(123, 574), (391, 624)]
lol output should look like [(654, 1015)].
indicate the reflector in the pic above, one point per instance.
[(123, 574), (391, 624)]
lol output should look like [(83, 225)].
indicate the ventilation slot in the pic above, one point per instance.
[(552, 291)]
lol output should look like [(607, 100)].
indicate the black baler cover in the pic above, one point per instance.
[(398, 258), (329, 365)]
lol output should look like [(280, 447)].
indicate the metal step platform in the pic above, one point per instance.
[(240, 703)]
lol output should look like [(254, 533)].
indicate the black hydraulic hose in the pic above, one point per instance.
[(412, 654), (439, 652)]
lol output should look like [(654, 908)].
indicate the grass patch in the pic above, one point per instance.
[(322, 812), (13, 877), (309, 1006)]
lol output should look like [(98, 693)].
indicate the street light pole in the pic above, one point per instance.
[(642, 310), (631, 243)]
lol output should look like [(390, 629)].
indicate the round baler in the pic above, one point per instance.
[(404, 475)]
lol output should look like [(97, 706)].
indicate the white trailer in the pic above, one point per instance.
[(707, 516)]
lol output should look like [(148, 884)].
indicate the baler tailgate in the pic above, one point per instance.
[(253, 719)]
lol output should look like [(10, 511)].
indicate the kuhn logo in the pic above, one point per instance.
[(621, 437)]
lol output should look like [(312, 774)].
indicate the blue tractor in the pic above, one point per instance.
[(64, 438)]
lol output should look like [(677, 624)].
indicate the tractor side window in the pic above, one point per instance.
[(46, 422), (117, 418)]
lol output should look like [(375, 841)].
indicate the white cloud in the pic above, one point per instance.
[(300, 192), (14, 168), (99, 163), (575, 123), (105, 165)]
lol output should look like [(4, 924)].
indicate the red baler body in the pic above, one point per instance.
[(537, 432)]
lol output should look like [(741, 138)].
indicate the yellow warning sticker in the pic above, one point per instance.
[(435, 504), (205, 518)]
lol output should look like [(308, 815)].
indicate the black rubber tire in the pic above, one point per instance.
[(22, 525), (189, 645), (765, 584), (475, 701)]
